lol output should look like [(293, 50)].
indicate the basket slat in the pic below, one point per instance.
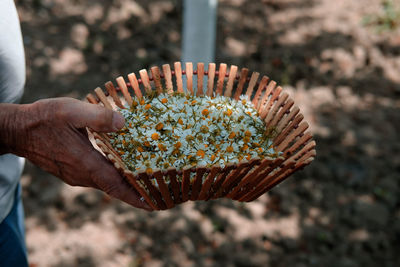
[(278, 104), (189, 76), (164, 189), (91, 99), (220, 179), (239, 176), (145, 178), (221, 79), (196, 186), (124, 89), (248, 176), (270, 102), (231, 80), (286, 120), (185, 184), (168, 78), (175, 185), (132, 180), (293, 124), (155, 72), (111, 152), (270, 88), (200, 77), (144, 76), (258, 179), (100, 94), (178, 75), (113, 93), (205, 190), (299, 142), (252, 83), (286, 108), (135, 85), (301, 128), (308, 147), (261, 88), (263, 186), (210, 81), (242, 80), (230, 179)]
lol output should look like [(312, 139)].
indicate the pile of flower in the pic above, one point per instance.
[(178, 130)]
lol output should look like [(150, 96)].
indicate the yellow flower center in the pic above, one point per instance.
[(204, 129), (229, 149), (201, 153), (247, 133), (159, 126), (205, 112), (164, 100), (162, 147), (178, 145), (155, 136), (148, 106), (232, 135)]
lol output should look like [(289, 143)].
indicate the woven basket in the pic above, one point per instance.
[(244, 181)]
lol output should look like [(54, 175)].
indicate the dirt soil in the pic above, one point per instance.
[(342, 210)]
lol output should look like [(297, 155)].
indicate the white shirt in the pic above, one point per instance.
[(12, 80)]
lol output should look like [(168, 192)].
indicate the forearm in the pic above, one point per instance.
[(13, 119)]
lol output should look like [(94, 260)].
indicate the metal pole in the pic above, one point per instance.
[(199, 28)]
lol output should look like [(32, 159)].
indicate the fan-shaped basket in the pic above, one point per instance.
[(245, 181)]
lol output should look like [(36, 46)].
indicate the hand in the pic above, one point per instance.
[(51, 134)]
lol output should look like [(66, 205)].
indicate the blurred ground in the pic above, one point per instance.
[(342, 210)]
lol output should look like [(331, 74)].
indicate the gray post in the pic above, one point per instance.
[(199, 27)]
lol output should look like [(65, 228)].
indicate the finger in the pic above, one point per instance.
[(98, 118), (107, 179)]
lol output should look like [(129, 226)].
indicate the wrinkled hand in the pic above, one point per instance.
[(51, 133)]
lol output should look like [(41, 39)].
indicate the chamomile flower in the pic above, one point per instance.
[(181, 130)]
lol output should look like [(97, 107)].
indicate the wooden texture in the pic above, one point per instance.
[(189, 78), (135, 85), (124, 89), (100, 94), (200, 77), (145, 81), (113, 93), (210, 81), (155, 72), (231, 80), (221, 78), (178, 75), (252, 83), (242, 80), (168, 78)]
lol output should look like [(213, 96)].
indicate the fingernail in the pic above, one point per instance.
[(118, 120)]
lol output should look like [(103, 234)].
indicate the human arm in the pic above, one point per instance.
[(51, 134)]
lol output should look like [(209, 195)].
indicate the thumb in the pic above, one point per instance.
[(95, 117)]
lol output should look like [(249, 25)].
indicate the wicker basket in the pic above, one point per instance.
[(244, 181)]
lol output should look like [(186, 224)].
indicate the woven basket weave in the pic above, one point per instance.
[(244, 181)]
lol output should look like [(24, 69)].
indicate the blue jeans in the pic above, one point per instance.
[(12, 236)]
